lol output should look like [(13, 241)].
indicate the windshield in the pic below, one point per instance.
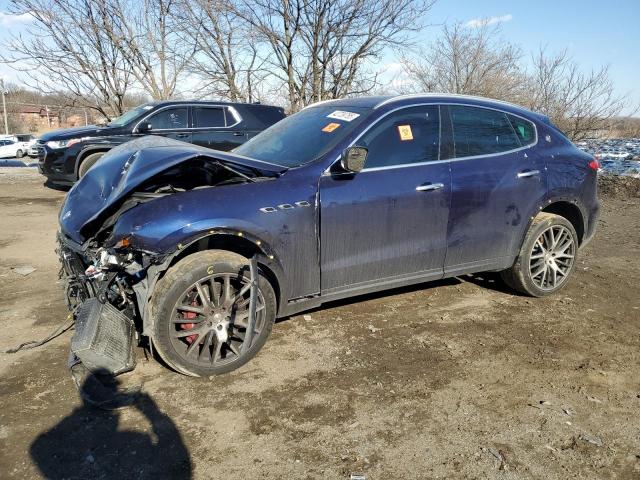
[(303, 137), (132, 114)]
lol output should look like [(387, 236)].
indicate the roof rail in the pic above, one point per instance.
[(320, 103), (431, 94)]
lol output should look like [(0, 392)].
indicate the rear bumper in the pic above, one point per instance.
[(591, 224)]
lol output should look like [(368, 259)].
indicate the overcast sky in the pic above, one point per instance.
[(595, 32)]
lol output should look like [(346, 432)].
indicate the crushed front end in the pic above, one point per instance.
[(98, 289), (121, 226)]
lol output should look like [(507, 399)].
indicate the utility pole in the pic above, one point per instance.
[(4, 107)]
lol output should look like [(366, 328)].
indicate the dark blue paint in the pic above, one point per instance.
[(361, 232)]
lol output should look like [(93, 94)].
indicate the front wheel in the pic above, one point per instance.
[(201, 312), (19, 154), (88, 162), (547, 257)]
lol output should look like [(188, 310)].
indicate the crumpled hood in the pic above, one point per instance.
[(124, 168)]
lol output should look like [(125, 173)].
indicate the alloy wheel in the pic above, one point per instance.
[(552, 257), (210, 320)]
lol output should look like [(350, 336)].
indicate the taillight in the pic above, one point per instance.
[(594, 165)]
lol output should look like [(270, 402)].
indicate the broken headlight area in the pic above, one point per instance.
[(100, 292), (102, 273)]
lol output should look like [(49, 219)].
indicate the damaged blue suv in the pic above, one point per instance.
[(195, 252)]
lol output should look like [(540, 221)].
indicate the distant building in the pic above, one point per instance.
[(39, 118)]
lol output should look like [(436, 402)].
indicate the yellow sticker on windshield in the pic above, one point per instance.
[(405, 132), (330, 127)]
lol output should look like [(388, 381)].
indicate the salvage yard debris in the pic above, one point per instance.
[(617, 156)]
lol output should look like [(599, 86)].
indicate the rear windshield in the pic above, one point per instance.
[(303, 137)]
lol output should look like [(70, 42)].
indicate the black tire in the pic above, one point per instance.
[(88, 162), (171, 291), (520, 276), (19, 154)]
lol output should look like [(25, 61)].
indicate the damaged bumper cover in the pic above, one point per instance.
[(99, 293)]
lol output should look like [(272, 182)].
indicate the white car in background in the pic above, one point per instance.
[(16, 145)]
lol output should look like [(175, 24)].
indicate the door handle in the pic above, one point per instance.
[(238, 134), (528, 173), (428, 187), (182, 135)]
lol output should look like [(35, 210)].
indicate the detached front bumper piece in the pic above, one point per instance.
[(104, 338)]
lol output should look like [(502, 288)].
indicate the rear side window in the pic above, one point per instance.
[(410, 135), (210, 117), (481, 131), (524, 129), (169, 119)]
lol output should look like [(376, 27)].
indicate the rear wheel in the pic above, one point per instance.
[(201, 312), (88, 162), (19, 154), (547, 257)]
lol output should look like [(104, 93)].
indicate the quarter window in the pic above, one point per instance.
[(170, 119), (208, 117), (481, 131), (411, 135), (524, 129)]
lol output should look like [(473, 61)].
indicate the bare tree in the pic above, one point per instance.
[(69, 50), (151, 41), (579, 103), (472, 61), (320, 49), (226, 49)]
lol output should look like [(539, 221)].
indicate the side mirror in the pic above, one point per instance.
[(353, 159), (144, 127)]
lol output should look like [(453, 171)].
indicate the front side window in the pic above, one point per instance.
[(208, 117), (169, 119), (481, 131), (411, 135)]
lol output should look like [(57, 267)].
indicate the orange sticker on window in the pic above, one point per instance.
[(405, 132), (330, 127)]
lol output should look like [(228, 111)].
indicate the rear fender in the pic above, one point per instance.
[(544, 205)]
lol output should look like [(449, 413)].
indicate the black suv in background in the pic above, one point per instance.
[(65, 155)]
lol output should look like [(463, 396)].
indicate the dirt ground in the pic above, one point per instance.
[(453, 379)]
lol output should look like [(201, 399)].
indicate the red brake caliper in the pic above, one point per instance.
[(188, 326)]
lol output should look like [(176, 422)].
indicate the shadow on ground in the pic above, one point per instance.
[(490, 281), (379, 295), (90, 442), (55, 186)]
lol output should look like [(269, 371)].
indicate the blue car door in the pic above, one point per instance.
[(497, 183), (387, 224)]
